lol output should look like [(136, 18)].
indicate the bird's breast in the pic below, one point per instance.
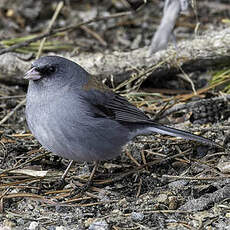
[(69, 129)]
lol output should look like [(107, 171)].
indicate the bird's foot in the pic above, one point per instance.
[(59, 184), (78, 191)]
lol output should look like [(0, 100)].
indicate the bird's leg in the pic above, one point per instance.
[(61, 183), (93, 172), (67, 170), (85, 187)]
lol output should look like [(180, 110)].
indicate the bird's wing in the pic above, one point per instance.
[(114, 106), (109, 104), (125, 111)]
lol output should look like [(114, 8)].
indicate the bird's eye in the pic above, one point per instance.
[(51, 69)]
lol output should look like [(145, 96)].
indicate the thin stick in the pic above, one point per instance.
[(67, 170), (23, 164), (132, 158), (57, 11), (94, 34), (10, 97), (10, 114), (187, 78), (64, 29)]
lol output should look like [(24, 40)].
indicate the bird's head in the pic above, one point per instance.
[(55, 70)]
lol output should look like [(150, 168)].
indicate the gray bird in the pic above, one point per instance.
[(75, 116)]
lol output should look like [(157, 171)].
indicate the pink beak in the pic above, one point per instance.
[(32, 74)]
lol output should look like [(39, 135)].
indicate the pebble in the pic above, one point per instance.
[(34, 225), (162, 198), (61, 228), (178, 184), (137, 216), (99, 225)]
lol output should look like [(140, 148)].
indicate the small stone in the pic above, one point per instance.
[(137, 216), (61, 228), (30, 206), (20, 221), (8, 225), (99, 225), (224, 167), (34, 225), (178, 184), (4, 227), (117, 212), (162, 198), (51, 228), (123, 202), (173, 202)]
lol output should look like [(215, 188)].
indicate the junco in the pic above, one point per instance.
[(77, 117)]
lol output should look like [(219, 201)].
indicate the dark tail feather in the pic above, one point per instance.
[(157, 128)]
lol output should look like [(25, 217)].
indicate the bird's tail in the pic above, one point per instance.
[(158, 128)]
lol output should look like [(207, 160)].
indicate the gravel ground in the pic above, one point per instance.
[(158, 182)]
